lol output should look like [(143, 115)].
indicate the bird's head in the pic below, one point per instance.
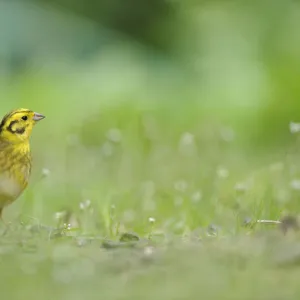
[(17, 125)]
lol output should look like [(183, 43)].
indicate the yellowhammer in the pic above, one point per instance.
[(15, 158)]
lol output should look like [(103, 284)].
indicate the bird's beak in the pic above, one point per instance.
[(38, 117)]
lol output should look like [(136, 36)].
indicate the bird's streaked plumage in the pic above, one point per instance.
[(15, 157)]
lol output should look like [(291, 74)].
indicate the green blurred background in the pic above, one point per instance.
[(174, 110), (142, 96)]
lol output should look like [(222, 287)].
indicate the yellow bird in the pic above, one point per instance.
[(15, 157)]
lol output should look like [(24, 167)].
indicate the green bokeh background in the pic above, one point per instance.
[(174, 110)]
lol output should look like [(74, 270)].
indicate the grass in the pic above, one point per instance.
[(151, 170), (133, 199)]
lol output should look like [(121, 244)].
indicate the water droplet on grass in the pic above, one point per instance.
[(148, 251), (196, 197), (222, 172), (60, 215), (187, 145), (294, 127), (45, 172), (240, 187), (151, 220), (85, 204), (114, 135), (295, 184), (247, 221), (187, 139)]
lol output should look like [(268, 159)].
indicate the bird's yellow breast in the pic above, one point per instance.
[(15, 168)]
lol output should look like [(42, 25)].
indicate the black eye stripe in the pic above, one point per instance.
[(5, 119), (19, 130), (9, 128)]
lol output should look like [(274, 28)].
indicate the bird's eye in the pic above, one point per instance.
[(24, 118)]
